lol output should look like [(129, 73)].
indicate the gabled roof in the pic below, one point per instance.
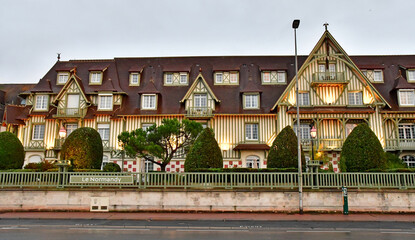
[(12, 114), (201, 79), (73, 78), (327, 36), (149, 88)]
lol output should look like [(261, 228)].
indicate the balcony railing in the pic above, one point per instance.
[(199, 112), (400, 144), (58, 143), (70, 112), (329, 78), (106, 145), (325, 144), (35, 145)]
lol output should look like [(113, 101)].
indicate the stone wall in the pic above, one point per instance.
[(182, 200)]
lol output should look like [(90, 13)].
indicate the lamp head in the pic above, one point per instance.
[(296, 23)]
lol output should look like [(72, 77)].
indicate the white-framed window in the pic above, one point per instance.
[(70, 127), (281, 77), (251, 131), (63, 77), (105, 102), (303, 99), (148, 166), (105, 161), (251, 101), (183, 78), (252, 162), (149, 101), (219, 77), (377, 76), (41, 102), (355, 98), (38, 132), (407, 97), (304, 130), (233, 77), (169, 78), (145, 126), (200, 100), (409, 160), (104, 131), (266, 77), (95, 77), (411, 75), (135, 78), (406, 131)]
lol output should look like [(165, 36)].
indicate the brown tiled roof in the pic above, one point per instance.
[(13, 114), (293, 110), (402, 83), (251, 146)]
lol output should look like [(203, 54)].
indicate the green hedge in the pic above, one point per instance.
[(11, 151), (243, 170)]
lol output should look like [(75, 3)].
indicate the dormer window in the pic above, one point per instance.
[(411, 75), (41, 103), (226, 78), (62, 78), (176, 78), (219, 78), (134, 79), (274, 77), (95, 78), (234, 77), (374, 75), (407, 97), (105, 102), (149, 102), (251, 101)]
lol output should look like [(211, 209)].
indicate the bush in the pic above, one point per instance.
[(362, 151), (11, 151), (111, 167), (83, 148), (43, 166), (393, 161), (283, 152), (205, 152), (247, 170)]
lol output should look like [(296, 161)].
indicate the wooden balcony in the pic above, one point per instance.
[(70, 113), (106, 145), (323, 144), (58, 143), (400, 144), (329, 79), (199, 112), (35, 145)]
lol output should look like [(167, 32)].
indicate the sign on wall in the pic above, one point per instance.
[(101, 179)]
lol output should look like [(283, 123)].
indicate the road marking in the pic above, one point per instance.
[(13, 228), (211, 230), (111, 229), (316, 231), (412, 233)]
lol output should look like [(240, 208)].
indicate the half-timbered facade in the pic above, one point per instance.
[(245, 100)]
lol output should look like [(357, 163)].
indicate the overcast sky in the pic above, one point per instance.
[(33, 31)]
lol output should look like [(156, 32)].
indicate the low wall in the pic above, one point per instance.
[(182, 200)]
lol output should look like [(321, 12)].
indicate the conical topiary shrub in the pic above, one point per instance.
[(83, 148), (205, 152), (11, 151), (362, 151), (283, 152)]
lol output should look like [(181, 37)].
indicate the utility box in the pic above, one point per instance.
[(99, 204)]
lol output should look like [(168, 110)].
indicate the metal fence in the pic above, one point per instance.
[(205, 180)]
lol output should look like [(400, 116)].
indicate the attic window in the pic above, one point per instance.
[(95, 77), (374, 75), (407, 97), (134, 79), (274, 77), (176, 78), (226, 78), (411, 75), (62, 78)]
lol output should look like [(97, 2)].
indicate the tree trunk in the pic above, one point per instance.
[(163, 167)]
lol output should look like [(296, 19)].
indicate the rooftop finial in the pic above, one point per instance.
[(59, 57), (325, 25)]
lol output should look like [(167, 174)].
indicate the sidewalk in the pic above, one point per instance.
[(354, 217)]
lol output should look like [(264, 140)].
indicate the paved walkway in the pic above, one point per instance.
[(356, 217)]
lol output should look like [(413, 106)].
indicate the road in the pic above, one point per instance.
[(33, 229)]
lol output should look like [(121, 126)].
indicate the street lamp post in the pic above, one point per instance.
[(295, 25), (313, 134)]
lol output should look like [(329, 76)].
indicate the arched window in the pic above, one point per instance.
[(252, 162), (105, 161), (409, 160)]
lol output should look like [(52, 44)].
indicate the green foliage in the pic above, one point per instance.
[(111, 167), (393, 161), (283, 152), (43, 166), (205, 152), (247, 170), (83, 148), (362, 151), (11, 151), (161, 142)]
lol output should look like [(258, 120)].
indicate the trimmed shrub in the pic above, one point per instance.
[(248, 170), (393, 161), (111, 167), (205, 152), (11, 151), (40, 167), (362, 151), (283, 152), (83, 148)]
